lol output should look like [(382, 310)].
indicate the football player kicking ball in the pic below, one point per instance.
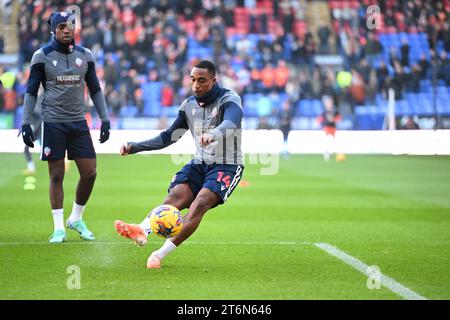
[(213, 115)]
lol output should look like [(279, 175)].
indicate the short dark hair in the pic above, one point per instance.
[(205, 64)]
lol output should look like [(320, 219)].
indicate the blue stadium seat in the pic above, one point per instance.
[(317, 108), (152, 108), (170, 112), (250, 104), (151, 90), (264, 106), (402, 108), (304, 108), (368, 118), (128, 111)]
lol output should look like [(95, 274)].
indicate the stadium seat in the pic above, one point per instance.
[(304, 108), (368, 118), (250, 104), (128, 111)]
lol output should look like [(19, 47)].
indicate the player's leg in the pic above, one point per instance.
[(56, 174), (180, 196), (219, 182), (54, 143), (88, 172), (327, 145), (332, 142), (56, 192), (182, 190), (81, 149), (31, 168), (205, 200)]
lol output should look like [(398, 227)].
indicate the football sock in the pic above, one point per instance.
[(58, 219), (77, 212), (146, 226), (30, 166), (166, 248)]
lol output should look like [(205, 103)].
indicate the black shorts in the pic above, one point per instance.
[(74, 137), (221, 179)]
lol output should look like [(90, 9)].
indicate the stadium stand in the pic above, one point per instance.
[(142, 46)]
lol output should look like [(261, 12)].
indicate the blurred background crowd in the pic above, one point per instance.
[(282, 57)]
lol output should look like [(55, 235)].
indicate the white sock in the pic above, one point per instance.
[(77, 212), (166, 248), (31, 166), (146, 226), (58, 219)]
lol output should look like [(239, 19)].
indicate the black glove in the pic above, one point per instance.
[(104, 131), (27, 135)]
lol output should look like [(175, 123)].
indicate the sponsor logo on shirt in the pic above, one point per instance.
[(200, 129), (68, 80)]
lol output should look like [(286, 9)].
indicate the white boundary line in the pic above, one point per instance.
[(125, 242), (390, 283)]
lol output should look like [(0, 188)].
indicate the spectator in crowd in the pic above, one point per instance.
[(410, 124), (324, 38), (424, 65), (2, 99), (443, 67), (285, 122), (2, 45), (328, 120), (398, 81), (373, 49), (357, 88), (404, 53), (414, 81), (383, 79), (281, 76)]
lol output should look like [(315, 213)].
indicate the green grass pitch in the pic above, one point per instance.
[(388, 211)]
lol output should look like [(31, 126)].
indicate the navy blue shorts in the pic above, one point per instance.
[(221, 179), (74, 137)]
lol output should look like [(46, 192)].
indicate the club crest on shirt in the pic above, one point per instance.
[(78, 62), (47, 151), (55, 62)]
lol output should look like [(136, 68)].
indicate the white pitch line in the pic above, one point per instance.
[(249, 243), (386, 281)]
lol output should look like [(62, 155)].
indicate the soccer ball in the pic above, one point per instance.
[(166, 221), (340, 157)]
